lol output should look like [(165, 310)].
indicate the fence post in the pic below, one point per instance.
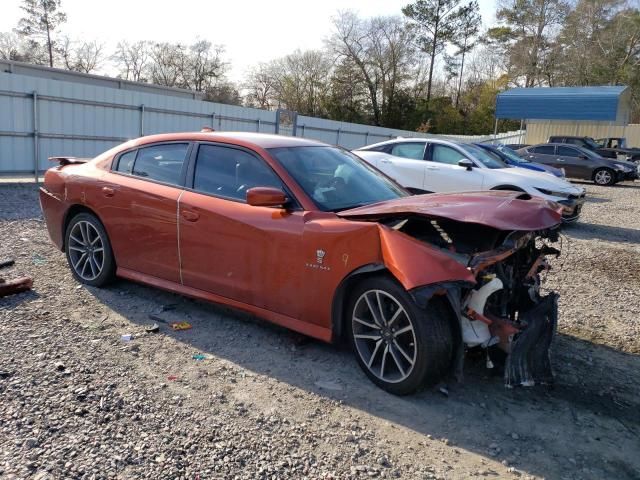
[(142, 120), (258, 125), (366, 138), (338, 137), (36, 143), (213, 119), (302, 134), (219, 122)]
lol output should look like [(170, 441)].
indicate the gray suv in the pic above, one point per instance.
[(581, 163)]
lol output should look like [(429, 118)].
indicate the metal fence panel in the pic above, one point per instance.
[(44, 117)]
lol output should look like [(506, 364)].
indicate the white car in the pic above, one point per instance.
[(433, 165)]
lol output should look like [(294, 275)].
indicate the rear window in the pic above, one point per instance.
[(543, 149), (125, 162), (412, 150), (162, 163)]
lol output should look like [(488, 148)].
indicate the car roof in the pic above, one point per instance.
[(261, 140), (412, 140)]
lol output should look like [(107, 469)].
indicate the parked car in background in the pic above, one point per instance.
[(581, 163), (616, 147), (511, 158), (434, 165), (310, 237), (602, 147)]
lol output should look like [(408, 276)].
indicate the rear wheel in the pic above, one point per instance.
[(604, 176), (399, 346), (89, 251)]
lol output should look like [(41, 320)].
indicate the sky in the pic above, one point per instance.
[(251, 31)]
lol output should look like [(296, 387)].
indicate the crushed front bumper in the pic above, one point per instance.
[(571, 208), (529, 359)]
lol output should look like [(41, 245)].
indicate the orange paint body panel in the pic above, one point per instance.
[(282, 264)]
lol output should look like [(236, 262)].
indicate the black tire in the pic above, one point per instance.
[(604, 177), (434, 345), (97, 267)]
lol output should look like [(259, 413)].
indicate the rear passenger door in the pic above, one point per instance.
[(407, 167), (138, 203), (543, 154)]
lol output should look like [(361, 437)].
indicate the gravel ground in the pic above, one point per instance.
[(76, 401)]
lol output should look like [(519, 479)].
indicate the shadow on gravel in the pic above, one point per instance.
[(589, 231), (588, 420), (12, 301)]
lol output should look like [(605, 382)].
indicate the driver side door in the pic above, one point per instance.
[(443, 174), (229, 248)]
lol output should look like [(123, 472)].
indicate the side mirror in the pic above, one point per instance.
[(266, 197), (466, 163)]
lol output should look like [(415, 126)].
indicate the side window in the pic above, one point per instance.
[(161, 162), (230, 172), (575, 141), (568, 152), (444, 154), (125, 162), (543, 149), (409, 150)]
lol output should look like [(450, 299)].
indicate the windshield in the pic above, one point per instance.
[(334, 178), (483, 156), (591, 142), (510, 154)]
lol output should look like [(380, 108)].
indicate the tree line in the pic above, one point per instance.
[(433, 67)]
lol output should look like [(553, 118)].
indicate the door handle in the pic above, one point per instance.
[(433, 168), (559, 159), (385, 161), (108, 191), (189, 215)]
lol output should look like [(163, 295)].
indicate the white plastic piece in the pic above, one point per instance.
[(475, 332)]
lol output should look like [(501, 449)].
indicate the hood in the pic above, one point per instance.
[(503, 210), (538, 179)]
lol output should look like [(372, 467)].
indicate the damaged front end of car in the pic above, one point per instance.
[(500, 304), (505, 309)]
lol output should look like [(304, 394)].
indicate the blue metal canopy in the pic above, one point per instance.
[(609, 104)]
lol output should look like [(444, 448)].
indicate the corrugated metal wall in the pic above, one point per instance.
[(41, 117), (539, 132)]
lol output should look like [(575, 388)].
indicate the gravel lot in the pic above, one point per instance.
[(78, 402)]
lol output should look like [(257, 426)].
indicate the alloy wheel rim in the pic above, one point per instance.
[(384, 336), (603, 177), (86, 250)]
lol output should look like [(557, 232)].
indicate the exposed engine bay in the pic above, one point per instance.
[(505, 309)]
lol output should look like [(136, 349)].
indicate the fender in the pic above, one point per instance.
[(415, 263)]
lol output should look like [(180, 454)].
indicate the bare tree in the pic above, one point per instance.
[(84, 57), (259, 85), (167, 64), (42, 18), (204, 66), (380, 49), (11, 46), (132, 59)]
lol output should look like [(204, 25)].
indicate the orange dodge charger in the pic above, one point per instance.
[(308, 236)]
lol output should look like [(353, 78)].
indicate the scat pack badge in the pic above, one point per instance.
[(319, 265)]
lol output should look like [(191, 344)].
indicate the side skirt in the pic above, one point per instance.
[(309, 329)]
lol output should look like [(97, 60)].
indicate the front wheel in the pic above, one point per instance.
[(400, 347), (89, 251), (604, 176)]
